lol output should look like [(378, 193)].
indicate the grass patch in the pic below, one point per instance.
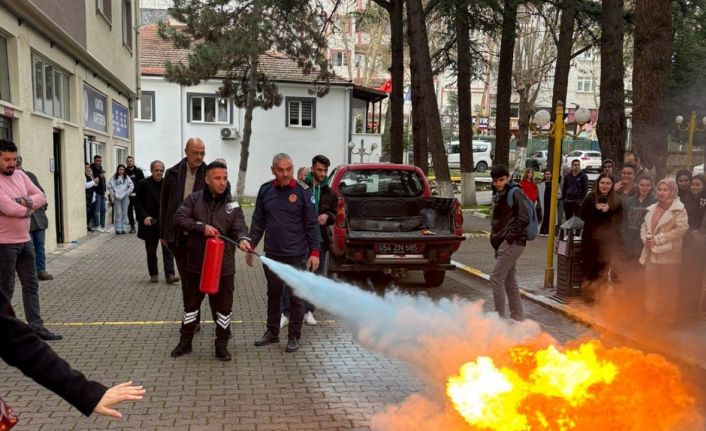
[(483, 209)]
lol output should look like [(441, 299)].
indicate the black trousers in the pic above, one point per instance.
[(180, 258), (275, 288), (131, 211), (572, 209), (151, 245), (221, 304), (20, 258)]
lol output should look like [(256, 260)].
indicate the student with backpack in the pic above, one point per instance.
[(514, 221)]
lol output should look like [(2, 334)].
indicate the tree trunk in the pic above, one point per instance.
[(247, 128), (563, 65), (653, 29), (419, 128), (523, 132), (504, 92), (396, 104), (465, 114), (611, 120), (419, 44)]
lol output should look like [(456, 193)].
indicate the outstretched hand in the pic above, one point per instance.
[(116, 395)]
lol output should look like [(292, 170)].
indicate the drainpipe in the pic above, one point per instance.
[(138, 81)]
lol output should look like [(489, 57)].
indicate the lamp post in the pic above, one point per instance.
[(361, 151), (541, 119), (691, 129)]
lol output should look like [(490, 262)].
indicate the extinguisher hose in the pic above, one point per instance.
[(234, 242)]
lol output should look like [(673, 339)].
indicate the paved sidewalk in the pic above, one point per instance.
[(684, 342)]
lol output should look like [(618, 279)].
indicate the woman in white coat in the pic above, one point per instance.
[(662, 232), (120, 186)]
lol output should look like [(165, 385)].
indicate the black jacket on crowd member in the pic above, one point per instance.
[(39, 219), (327, 204), (574, 187), (99, 173), (22, 349), (695, 208), (135, 174), (202, 208), (601, 238), (148, 192), (509, 223), (173, 195)]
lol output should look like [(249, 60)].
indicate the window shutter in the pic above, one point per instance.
[(294, 113), (307, 113)]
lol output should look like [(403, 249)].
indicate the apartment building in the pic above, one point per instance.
[(68, 79)]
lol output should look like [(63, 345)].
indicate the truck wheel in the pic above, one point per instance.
[(481, 167), (434, 278)]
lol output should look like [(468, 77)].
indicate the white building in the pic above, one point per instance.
[(68, 80), (303, 125)]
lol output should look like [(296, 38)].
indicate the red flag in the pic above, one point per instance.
[(387, 86)]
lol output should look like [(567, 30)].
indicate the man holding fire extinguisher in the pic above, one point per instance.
[(209, 213), (285, 214)]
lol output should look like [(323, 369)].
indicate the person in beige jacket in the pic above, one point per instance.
[(662, 233)]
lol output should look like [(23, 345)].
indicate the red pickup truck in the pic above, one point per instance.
[(388, 222)]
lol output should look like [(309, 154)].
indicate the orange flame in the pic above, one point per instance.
[(586, 388)]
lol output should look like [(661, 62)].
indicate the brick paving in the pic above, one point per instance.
[(118, 326)]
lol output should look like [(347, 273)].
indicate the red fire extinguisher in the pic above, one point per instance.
[(211, 270)]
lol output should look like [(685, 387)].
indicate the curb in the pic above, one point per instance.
[(579, 316)]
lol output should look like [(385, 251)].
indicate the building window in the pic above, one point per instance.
[(119, 157), (301, 111), (208, 109), (51, 89), (144, 108), (585, 84), (104, 8), (92, 148), (127, 23), (339, 58), (359, 60), (4, 71)]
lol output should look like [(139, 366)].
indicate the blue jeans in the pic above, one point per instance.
[(38, 241), (120, 206), (99, 211)]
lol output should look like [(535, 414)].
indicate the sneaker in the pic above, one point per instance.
[(283, 321), (154, 278), (101, 229), (132, 229), (43, 275), (309, 319), (171, 279)]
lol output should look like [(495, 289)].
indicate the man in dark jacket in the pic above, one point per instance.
[(136, 176), (38, 225), (99, 204), (508, 237), (180, 181), (22, 349), (573, 190), (147, 208), (286, 216), (207, 213)]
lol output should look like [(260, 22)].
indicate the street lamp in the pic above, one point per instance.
[(541, 119), (691, 128), (361, 149)]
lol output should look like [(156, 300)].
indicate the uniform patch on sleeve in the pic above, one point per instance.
[(231, 206), (313, 201)]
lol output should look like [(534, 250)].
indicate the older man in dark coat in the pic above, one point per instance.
[(38, 225)]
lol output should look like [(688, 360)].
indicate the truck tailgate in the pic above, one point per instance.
[(417, 236)]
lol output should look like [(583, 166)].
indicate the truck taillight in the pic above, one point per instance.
[(458, 214), (341, 213)]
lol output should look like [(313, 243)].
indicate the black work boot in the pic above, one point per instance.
[(292, 345), (222, 349), (183, 347), (268, 338)]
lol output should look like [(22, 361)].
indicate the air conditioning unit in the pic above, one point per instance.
[(229, 133)]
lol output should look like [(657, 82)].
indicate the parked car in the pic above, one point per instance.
[(387, 222), (590, 160), (537, 160), (482, 155), (698, 170)]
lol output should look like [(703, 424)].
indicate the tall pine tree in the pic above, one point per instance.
[(228, 40)]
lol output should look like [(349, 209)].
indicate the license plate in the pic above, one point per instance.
[(394, 248)]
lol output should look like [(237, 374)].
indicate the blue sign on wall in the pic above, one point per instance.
[(121, 120), (94, 114)]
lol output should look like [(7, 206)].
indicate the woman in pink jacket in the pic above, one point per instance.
[(662, 232)]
